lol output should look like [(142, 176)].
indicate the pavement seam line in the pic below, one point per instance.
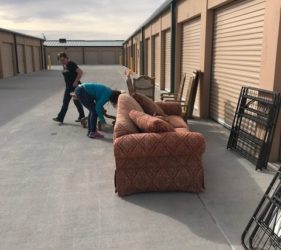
[(216, 223)]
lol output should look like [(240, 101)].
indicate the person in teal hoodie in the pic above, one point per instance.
[(94, 96)]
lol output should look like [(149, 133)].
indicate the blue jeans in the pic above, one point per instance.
[(66, 100), (88, 102)]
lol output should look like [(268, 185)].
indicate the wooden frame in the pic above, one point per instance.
[(145, 85)]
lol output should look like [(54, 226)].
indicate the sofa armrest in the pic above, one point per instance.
[(170, 108), (172, 144)]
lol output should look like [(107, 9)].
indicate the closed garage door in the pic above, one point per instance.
[(7, 59), (75, 55), (156, 60), (167, 58), (237, 48), (54, 57), (128, 57), (28, 58), (135, 58), (108, 58), (91, 57), (20, 58), (36, 51), (190, 52), (147, 54)]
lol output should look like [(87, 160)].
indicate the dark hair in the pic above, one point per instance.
[(114, 97), (62, 55)]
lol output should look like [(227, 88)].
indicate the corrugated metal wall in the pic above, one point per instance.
[(237, 48), (190, 51), (167, 59)]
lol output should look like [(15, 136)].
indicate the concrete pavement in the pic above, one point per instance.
[(57, 188)]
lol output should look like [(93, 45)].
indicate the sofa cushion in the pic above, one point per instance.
[(175, 121), (181, 130), (150, 124), (170, 108), (149, 106), (124, 125)]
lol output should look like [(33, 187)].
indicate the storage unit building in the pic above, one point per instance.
[(233, 42), (86, 52), (20, 53)]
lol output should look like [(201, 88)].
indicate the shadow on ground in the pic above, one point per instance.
[(22, 93), (233, 191)]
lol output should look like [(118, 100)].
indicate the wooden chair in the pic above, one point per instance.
[(145, 85), (175, 96), (130, 85), (188, 104)]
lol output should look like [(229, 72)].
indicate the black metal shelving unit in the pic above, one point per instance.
[(254, 125), (264, 229)]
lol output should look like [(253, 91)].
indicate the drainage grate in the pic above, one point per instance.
[(254, 125), (264, 229)]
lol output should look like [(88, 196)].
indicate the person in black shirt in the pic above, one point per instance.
[(72, 75)]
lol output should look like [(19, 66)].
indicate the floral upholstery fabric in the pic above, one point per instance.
[(150, 124), (124, 125), (149, 162), (149, 106), (175, 121)]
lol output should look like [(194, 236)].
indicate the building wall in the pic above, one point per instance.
[(268, 48), (87, 55), (13, 49)]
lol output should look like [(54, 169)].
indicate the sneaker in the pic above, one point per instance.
[(95, 135), (58, 120)]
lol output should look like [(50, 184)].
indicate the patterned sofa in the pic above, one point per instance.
[(152, 162)]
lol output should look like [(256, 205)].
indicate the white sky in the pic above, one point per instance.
[(79, 19)]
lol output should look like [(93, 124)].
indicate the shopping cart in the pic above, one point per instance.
[(264, 229)]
